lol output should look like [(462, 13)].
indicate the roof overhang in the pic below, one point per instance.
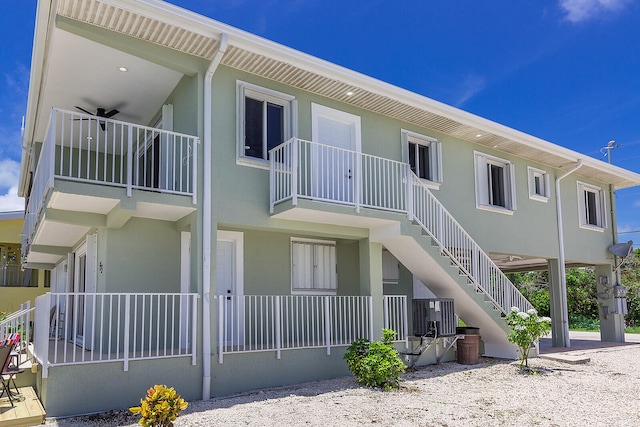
[(170, 26)]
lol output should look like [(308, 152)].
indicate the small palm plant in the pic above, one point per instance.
[(160, 407)]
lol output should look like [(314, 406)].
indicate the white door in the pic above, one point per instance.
[(336, 161), (79, 297), (58, 302), (84, 285), (229, 286)]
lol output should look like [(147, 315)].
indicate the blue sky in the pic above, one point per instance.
[(567, 71)]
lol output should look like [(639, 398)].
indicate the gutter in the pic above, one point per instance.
[(561, 260), (207, 233)]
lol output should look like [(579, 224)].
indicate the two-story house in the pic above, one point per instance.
[(222, 213)]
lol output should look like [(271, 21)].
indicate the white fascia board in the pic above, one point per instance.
[(43, 30)]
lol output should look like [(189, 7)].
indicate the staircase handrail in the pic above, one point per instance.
[(291, 178), (456, 238)]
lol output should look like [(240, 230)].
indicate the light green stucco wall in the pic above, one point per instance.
[(267, 261), (142, 256), (242, 192), (81, 389), (250, 371)]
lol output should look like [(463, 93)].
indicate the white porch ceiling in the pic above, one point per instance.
[(85, 73)]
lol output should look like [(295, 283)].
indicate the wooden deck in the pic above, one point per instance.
[(27, 412)]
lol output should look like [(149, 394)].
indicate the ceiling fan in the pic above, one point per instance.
[(100, 112)]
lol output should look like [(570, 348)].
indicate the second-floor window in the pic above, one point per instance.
[(591, 206), (264, 122), (495, 183), (423, 155), (538, 184)]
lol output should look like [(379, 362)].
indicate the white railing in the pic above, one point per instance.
[(258, 323), (13, 275), (85, 148), (395, 316), (19, 322), (74, 328), (455, 242), (303, 169)]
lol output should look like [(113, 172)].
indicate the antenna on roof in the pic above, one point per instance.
[(606, 151)]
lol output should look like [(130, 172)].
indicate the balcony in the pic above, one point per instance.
[(108, 171)]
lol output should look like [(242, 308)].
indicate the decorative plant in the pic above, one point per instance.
[(527, 328), (375, 364), (160, 407)]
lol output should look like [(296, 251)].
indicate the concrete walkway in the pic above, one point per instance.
[(581, 341), (582, 345)]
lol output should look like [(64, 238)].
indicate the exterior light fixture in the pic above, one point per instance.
[(349, 93), (123, 69)]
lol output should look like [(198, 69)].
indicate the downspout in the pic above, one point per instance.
[(561, 261), (207, 234)]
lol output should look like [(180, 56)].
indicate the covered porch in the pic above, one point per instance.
[(88, 170), (277, 323)]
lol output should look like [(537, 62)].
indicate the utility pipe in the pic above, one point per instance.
[(561, 261), (207, 234)]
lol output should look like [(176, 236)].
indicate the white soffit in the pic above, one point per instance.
[(59, 234), (85, 73), (162, 211), (166, 25), (81, 203)]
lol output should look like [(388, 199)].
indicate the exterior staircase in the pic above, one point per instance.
[(428, 241)]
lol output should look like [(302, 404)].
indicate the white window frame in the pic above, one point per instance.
[(390, 268), (330, 270), (543, 177), (601, 207), (289, 104), (435, 155), (481, 162)]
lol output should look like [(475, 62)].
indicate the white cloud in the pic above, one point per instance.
[(10, 201), (471, 86), (9, 175), (584, 10)]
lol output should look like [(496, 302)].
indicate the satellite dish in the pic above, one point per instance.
[(622, 249)]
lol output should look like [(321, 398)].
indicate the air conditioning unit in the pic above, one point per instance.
[(434, 317)]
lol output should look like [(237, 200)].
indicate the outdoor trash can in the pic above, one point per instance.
[(468, 348)]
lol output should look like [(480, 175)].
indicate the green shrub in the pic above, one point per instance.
[(160, 407), (375, 364), (583, 323)]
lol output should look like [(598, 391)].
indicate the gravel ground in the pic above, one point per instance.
[(602, 392)]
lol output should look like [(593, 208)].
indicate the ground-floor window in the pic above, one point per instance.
[(313, 266)]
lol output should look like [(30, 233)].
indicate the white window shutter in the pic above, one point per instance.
[(512, 186), (482, 180)]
